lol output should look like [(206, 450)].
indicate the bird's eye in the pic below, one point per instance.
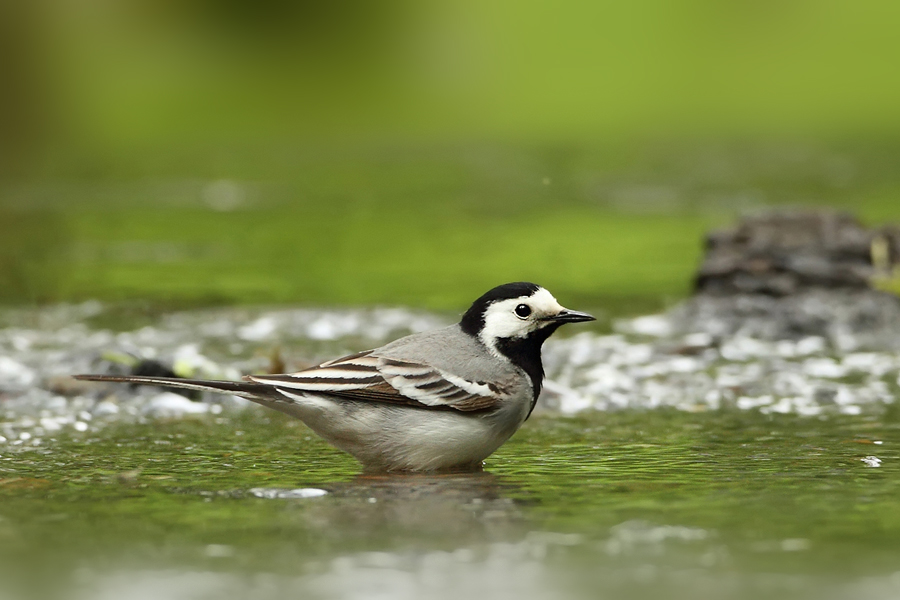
[(522, 311)]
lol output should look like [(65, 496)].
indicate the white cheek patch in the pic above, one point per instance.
[(500, 320)]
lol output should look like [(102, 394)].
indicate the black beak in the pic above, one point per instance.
[(571, 316)]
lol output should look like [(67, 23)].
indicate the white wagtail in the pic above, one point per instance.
[(438, 400)]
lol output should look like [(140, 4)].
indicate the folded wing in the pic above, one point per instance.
[(373, 378)]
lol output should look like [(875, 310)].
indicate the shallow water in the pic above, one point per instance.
[(627, 504), (638, 363), (122, 493)]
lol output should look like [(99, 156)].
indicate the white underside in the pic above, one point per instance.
[(397, 438)]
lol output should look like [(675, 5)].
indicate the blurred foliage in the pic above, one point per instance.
[(33, 255), (151, 70), (425, 225), (890, 282), (25, 115), (351, 151)]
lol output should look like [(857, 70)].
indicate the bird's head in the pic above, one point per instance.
[(516, 312)]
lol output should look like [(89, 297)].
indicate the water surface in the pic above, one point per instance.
[(625, 504), (632, 481)]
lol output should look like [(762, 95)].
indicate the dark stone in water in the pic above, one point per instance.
[(791, 275), (779, 254)]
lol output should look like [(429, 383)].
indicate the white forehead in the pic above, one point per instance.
[(543, 300), (540, 302)]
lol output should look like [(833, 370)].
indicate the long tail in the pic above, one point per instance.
[(251, 391)]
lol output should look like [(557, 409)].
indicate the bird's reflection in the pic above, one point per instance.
[(458, 488), (461, 507)]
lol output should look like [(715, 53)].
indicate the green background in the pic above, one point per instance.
[(288, 152)]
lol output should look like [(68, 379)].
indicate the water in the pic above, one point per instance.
[(588, 500), (626, 504)]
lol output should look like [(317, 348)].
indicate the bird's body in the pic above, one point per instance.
[(439, 400), (398, 435)]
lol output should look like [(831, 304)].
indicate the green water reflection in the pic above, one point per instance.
[(621, 504)]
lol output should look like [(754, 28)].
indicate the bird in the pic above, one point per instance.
[(441, 400)]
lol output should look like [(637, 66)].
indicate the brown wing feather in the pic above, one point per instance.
[(365, 380)]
